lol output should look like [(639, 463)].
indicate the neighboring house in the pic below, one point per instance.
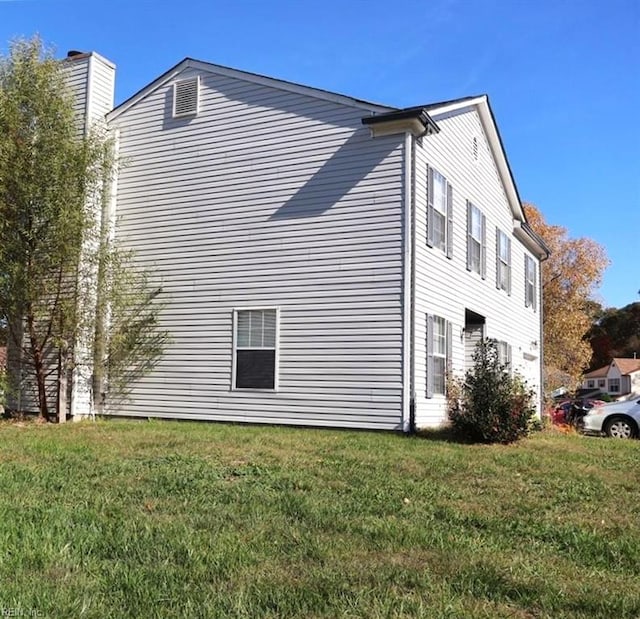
[(620, 377), (324, 260)]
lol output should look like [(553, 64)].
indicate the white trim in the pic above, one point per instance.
[(206, 67), (455, 106), (276, 368)]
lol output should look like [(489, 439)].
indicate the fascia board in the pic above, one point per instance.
[(190, 63)]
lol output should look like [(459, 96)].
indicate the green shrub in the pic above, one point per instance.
[(490, 405)]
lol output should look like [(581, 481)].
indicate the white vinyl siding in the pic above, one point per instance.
[(267, 198), (476, 240), (91, 80), (530, 282), (503, 261), (439, 212), (445, 287)]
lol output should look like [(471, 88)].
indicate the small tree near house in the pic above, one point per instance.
[(491, 405), (56, 256)]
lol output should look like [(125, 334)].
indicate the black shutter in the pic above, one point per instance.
[(429, 356), (534, 295), (468, 235), (483, 249), (509, 265), (498, 261), (429, 206), (449, 221)]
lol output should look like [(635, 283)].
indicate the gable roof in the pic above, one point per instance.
[(625, 365), (192, 63), (599, 373), (423, 115)]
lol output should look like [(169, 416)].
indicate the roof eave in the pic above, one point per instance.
[(412, 120)]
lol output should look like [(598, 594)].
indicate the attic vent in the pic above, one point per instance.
[(185, 97)]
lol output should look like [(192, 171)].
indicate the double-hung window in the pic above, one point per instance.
[(529, 282), (614, 385), (503, 261), (438, 354), (504, 354), (439, 212), (476, 240), (255, 348)]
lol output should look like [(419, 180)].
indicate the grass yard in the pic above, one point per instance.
[(160, 519)]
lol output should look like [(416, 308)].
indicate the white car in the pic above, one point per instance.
[(618, 420)]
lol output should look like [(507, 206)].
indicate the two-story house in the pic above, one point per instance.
[(324, 261)]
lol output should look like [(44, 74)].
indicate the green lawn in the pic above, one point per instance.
[(160, 519)]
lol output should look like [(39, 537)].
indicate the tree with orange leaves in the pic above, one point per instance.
[(569, 278)]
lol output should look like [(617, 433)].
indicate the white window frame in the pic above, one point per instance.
[(591, 384), (602, 383), (529, 282), (504, 353), (476, 240), (442, 353), (276, 349), (614, 382), (503, 261), (439, 209)]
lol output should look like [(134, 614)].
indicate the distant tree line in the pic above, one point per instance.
[(614, 333)]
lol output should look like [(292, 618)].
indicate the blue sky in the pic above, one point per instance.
[(563, 77)]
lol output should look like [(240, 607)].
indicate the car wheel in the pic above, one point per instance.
[(619, 427)]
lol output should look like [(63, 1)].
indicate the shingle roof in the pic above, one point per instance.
[(599, 373), (626, 366)]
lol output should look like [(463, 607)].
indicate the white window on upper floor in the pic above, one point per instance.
[(476, 240), (186, 97), (438, 354), (503, 261), (439, 212), (504, 354), (529, 282), (255, 349)]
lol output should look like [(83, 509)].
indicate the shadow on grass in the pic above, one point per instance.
[(443, 435)]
